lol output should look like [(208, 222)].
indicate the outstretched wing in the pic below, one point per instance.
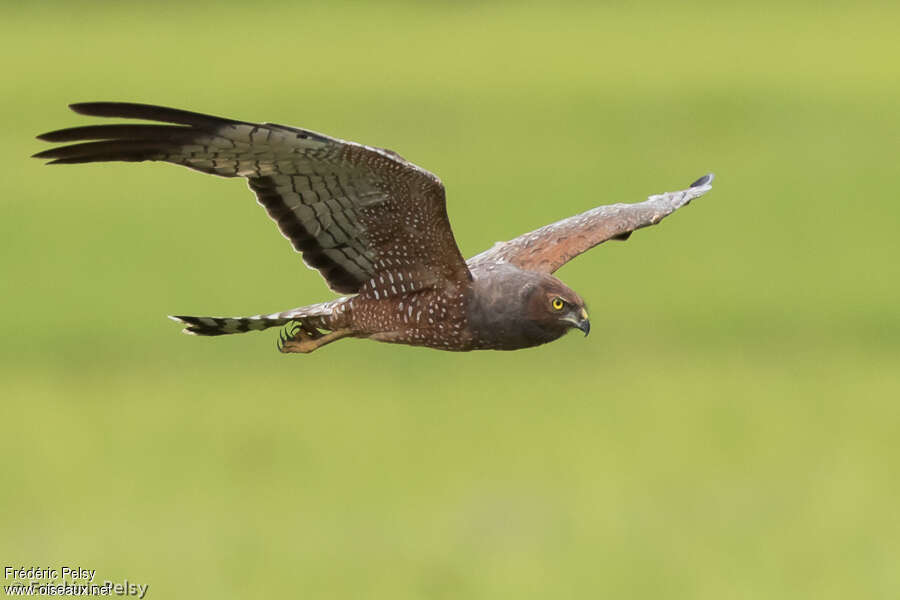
[(550, 247), (354, 212)]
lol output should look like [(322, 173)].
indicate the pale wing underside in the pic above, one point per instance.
[(550, 247), (353, 211)]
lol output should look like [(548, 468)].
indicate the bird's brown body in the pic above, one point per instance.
[(376, 227), (504, 308)]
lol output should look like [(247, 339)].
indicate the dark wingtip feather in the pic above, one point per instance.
[(705, 180), (81, 107), (88, 159), (149, 112), (120, 132), (133, 140), (111, 109), (108, 150)]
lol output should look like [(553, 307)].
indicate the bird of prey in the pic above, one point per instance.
[(375, 226)]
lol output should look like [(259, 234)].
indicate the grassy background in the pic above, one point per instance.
[(729, 430)]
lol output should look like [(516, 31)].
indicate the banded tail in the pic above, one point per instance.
[(318, 316)]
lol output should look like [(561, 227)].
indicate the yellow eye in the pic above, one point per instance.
[(558, 303)]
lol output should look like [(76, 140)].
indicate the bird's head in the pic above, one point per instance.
[(511, 308), (552, 306)]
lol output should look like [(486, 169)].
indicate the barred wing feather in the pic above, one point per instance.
[(352, 211)]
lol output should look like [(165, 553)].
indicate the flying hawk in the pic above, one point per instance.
[(375, 226)]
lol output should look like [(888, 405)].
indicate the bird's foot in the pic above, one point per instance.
[(299, 338)]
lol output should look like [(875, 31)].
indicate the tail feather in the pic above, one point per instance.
[(226, 325), (316, 315)]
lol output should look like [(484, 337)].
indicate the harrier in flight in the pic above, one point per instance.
[(375, 226)]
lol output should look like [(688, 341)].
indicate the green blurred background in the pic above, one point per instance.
[(729, 430)]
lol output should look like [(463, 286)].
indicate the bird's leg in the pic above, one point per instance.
[(301, 338)]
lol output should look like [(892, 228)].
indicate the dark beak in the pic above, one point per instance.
[(583, 323), (585, 326)]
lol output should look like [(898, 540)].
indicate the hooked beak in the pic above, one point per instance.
[(581, 322)]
